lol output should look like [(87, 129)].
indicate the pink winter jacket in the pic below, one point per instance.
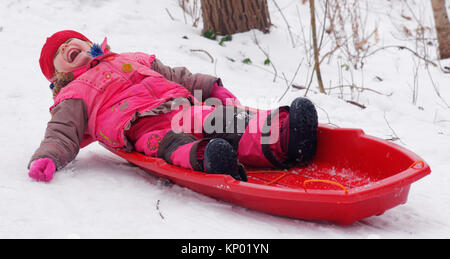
[(101, 103)]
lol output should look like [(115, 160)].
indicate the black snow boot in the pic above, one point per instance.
[(302, 131), (221, 158)]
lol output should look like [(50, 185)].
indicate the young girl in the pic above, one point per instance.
[(127, 101)]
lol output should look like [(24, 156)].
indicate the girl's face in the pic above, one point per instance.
[(72, 54)]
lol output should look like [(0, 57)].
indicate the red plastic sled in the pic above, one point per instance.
[(353, 176)]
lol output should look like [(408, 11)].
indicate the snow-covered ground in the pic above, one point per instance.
[(100, 195)]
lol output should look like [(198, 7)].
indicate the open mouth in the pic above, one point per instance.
[(72, 54)]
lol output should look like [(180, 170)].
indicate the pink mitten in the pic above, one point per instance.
[(225, 96), (42, 170)]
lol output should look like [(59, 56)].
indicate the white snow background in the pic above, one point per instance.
[(102, 196)]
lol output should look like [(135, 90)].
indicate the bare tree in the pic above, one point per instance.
[(442, 27), (232, 16)]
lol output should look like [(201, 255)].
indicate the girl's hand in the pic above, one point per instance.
[(225, 96), (42, 170)]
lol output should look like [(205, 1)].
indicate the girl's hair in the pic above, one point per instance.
[(64, 78)]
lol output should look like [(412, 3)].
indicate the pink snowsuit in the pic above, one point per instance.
[(117, 89), (127, 105)]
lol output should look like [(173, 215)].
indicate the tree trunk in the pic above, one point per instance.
[(232, 16), (442, 27)]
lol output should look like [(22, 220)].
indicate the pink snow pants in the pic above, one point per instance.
[(180, 136)]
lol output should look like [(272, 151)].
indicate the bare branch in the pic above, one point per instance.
[(316, 50), (267, 56), (362, 106), (170, 15), (396, 137), (292, 80), (403, 48), (204, 51), (287, 23), (359, 88), (157, 208), (328, 117)]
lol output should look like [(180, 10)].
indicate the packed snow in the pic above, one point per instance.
[(99, 195)]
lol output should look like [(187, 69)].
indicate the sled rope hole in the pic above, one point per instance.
[(413, 165), (325, 181), (283, 174)]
